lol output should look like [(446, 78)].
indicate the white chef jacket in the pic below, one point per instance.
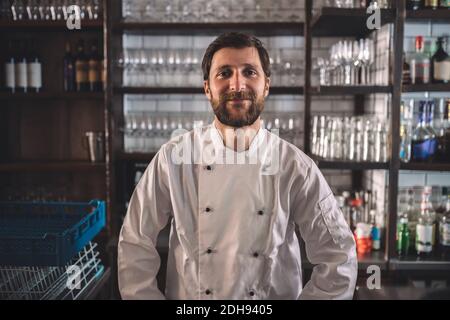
[(233, 224)]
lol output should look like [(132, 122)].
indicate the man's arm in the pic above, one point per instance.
[(329, 242), (148, 213)]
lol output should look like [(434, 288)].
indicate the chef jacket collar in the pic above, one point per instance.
[(219, 144)]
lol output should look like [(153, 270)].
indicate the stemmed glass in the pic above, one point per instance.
[(366, 60)]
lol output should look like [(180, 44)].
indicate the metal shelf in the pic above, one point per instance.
[(136, 157), (348, 165), (343, 22), (349, 90), (195, 90), (52, 96), (438, 15), (51, 166), (419, 264), (431, 87), (257, 28), (41, 26), (425, 166)]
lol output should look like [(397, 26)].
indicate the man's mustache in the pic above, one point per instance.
[(238, 95)]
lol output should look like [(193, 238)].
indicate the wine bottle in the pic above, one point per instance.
[(95, 83), (420, 63), (34, 71), (406, 73), (69, 70), (431, 4), (20, 69), (10, 81), (440, 63), (81, 69), (414, 4)]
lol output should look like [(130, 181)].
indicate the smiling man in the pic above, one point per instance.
[(233, 222)]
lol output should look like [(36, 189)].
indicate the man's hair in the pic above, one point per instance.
[(235, 40)]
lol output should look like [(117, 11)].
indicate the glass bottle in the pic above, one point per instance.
[(406, 71), (425, 229), (413, 216), (405, 131), (433, 145), (431, 4), (440, 63), (447, 131), (420, 64), (444, 226), (414, 4), (403, 238), (81, 69), (422, 140), (68, 70)]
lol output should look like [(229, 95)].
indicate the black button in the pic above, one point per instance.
[(208, 292), (256, 254), (260, 212), (208, 209), (209, 250), (208, 168), (251, 293)]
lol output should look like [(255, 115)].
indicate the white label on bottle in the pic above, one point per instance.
[(442, 70), (21, 75), (445, 234), (424, 238), (35, 75), (10, 75)]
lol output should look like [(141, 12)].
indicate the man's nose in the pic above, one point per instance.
[(237, 82)]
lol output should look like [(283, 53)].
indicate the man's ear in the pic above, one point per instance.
[(266, 87), (207, 89)]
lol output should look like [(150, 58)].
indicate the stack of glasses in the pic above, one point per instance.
[(161, 67), (350, 63), (145, 132), (49, 9), (361, 138), (211, 11)]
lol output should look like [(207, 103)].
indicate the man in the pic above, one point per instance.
[(234, 194)]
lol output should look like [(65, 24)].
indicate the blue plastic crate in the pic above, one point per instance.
[(47, 233)]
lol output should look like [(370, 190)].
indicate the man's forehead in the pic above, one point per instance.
[(236, 57)]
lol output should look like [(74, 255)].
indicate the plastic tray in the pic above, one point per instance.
[(47, 233)]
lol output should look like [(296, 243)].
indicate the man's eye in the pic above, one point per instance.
[(250, 72), (224, 74)]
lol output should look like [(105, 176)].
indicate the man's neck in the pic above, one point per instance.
[(237, 139)]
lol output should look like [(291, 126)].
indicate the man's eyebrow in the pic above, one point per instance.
[(226, 66)]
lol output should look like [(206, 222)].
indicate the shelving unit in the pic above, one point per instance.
[(338, 22), (104, 110), (41, 133)]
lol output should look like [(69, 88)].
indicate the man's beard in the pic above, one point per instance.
[(226, 117)]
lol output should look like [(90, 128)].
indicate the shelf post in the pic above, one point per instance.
[(394, 163)]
